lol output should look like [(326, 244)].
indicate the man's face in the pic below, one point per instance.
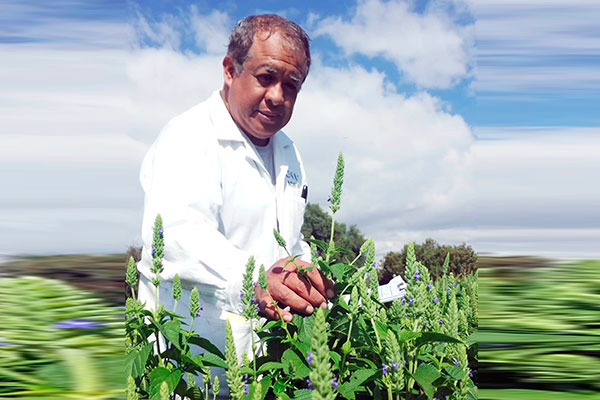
[(261, 98)]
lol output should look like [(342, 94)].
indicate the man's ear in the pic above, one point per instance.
[(228, 71)]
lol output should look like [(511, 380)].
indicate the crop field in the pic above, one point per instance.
[(538, 338), (539, 331)]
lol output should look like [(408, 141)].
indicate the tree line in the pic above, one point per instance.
[(463, 259)]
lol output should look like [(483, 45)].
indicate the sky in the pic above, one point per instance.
[(464, 121)]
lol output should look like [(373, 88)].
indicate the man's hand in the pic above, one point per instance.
[(289, 288)]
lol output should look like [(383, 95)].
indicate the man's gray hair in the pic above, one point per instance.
[(243, 33)]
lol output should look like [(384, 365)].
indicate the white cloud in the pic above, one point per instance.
[(550, 45), (76, 124), (429, 48)]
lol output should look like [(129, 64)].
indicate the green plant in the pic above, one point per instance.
[(414, 348)]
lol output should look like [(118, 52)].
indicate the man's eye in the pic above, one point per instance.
[(265, 79), (291, 87)]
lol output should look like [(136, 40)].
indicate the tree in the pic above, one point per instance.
[(317, 224), (463, 260)]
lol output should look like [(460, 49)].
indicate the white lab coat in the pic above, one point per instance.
[(219, 207)]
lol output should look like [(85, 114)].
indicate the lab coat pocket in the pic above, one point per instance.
[(296, 216)]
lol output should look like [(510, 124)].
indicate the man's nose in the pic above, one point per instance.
[(275, 94)]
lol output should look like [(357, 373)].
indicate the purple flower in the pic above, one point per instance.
[(441, 322), (470, 373), (412, 300), (456, 362), (384, 369), (153, 250), (334, 383), (246, 387), (78, 323), (454, 284), (241, 295), (328, 199), (394, 365), (308, 357), (417, 275), (254, 285), (403, 301), (404, 362), (374, 264), (428, 286), (424, 324), (199, 311), (448, 290), (160, 232), (436, 300), (253, 300), (6, 344), (257, 308), (309, 385)]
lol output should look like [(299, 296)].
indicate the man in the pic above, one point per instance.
[(223, 176)]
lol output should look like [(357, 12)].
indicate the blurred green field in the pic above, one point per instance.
[(58, 342), (539, 329)]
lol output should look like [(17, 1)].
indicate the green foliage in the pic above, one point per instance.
[(459, 260), (338, 181), (317, 224), (320, 373), (412, 349), (58, 342)]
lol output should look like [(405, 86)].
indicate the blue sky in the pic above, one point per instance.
[(474, 121)]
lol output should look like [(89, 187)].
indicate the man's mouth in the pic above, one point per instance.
[(270, 116)]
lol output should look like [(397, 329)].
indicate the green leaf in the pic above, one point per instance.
[(425, 375), (305, 332), (279, 389), (271, 325), (456, 372), (336, 358), (430, 337), (338, 270), (406, 335), (206, 345), (302, 394), (269, 366), (299, 368), (358, 378), (135, 362), (367, 361), (320, 243), (265, 385), (303, 347), (213, 360), (160, 375), (346, 347), (171, 331)]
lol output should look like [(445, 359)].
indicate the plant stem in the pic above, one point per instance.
[(330, 237), (253, 347), (283, 322), (377, 335), (343, 364), (357, 257)]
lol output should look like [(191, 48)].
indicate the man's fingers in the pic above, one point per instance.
[(304, 289), (272, 312), (287, 296), (322, 284)]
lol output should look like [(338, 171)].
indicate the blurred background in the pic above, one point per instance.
[(467, 126)]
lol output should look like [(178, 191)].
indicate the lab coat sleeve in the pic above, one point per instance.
[(181, 178)]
